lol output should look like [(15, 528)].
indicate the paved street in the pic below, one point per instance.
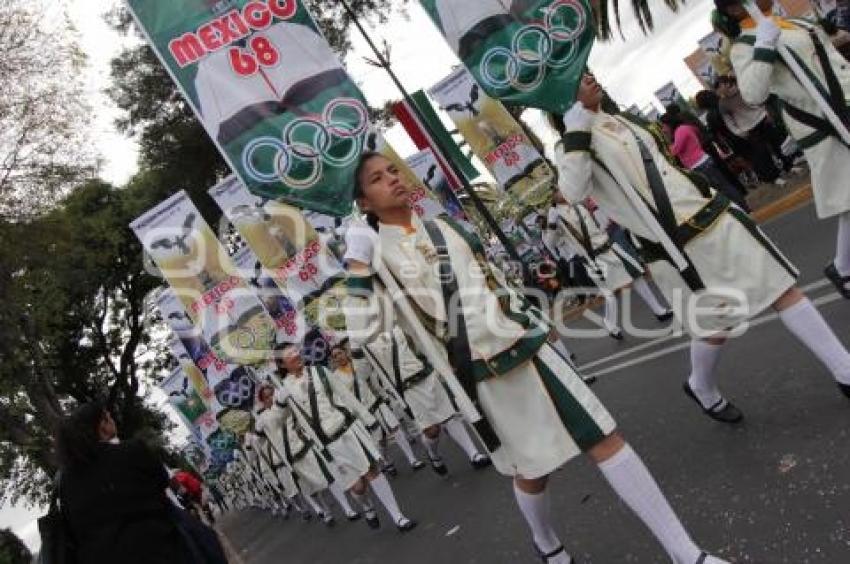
[(773, 490)]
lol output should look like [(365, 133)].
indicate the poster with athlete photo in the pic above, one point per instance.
[(231, 319), (523, 52), (290, 324), (290, 250), (496, 138), (269, 91), (426, 168)]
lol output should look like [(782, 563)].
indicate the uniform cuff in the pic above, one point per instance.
[(764, 54), (576, 141)]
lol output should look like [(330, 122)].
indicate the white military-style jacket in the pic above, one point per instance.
[(761, 72)]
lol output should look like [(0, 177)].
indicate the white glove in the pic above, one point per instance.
[(578, 118), (360, 242), (767, 34)]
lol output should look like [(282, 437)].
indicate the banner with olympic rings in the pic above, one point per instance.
[(228, 314), (269, 91), (523, 52), (496, 138)]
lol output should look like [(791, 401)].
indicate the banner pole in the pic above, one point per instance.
[(467, 187)]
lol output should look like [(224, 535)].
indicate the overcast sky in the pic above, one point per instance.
[(631, 70)]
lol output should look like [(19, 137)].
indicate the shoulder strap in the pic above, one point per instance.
[(323, 377), (314, 407), (460, 355)]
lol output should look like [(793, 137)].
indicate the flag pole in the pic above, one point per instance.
[(467, 187)]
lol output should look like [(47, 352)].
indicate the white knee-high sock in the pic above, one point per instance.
[(637, 488), (364, 501), (385, 495), (317, 509), (431, 446), (808, 325), (458, 432), (401, 442), (611, 309), (339, 496), (842, 247), (537, 510), (559, 346), (647, 295), (703, 380)]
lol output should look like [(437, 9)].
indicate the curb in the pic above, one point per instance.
[(796, 199)]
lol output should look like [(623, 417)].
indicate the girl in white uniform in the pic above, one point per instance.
[(334, 416), (380, 348), (371, 396), (761, 72), (733, 270), (610, 266), (537, 412)]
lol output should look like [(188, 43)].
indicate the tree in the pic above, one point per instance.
[(74, 325), (43, 117), (642, 11), (12, 549)]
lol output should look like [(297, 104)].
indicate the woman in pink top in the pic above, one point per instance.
[(687, 147)]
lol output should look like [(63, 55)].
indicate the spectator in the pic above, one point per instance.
[(112, 495), (754, 124), (12, 549), (687, 147)]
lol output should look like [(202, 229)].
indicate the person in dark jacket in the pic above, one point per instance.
[(112, 495)]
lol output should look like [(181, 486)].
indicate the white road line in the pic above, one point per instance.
[(823, 300)]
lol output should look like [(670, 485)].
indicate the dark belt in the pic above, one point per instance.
[(301, 453), (374, 407), (340, 432), (603, 249), (691, 229)]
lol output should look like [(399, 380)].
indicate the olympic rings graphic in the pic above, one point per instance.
[(307, 144), (236, 391), (536, 48)]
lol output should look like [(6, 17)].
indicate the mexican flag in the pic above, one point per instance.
[(523, 52)]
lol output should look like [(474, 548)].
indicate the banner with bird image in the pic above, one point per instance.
[(229, 316), (426, 167), (496, 138), (529, 53), (187, 401), (269, 91)]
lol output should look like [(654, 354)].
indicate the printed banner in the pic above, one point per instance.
[(529, 53), (426, 168), (270, 92), (669, 95), (231, 319), (496, 138), (290, 250), (187, 401)]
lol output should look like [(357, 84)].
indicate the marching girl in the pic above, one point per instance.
[(711, 262), (334, 417), (761, 73), (381, 348), (610, 266), (537, 412), (310, 471), (262, 465), (370, 395)]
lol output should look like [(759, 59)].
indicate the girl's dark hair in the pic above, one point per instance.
[(77, 441), (359, 191), (722, 21), (556, 122)]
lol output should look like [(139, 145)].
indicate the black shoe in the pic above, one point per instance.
[(353, 517), (726, 414), (371, 519), (616, 335), (306, 516), (838, 281), (405, 525), (544, 556), (418, 465), (845, 389), (664, 317), (329, 520), (390, 470), (480, 461), (439, 467)]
